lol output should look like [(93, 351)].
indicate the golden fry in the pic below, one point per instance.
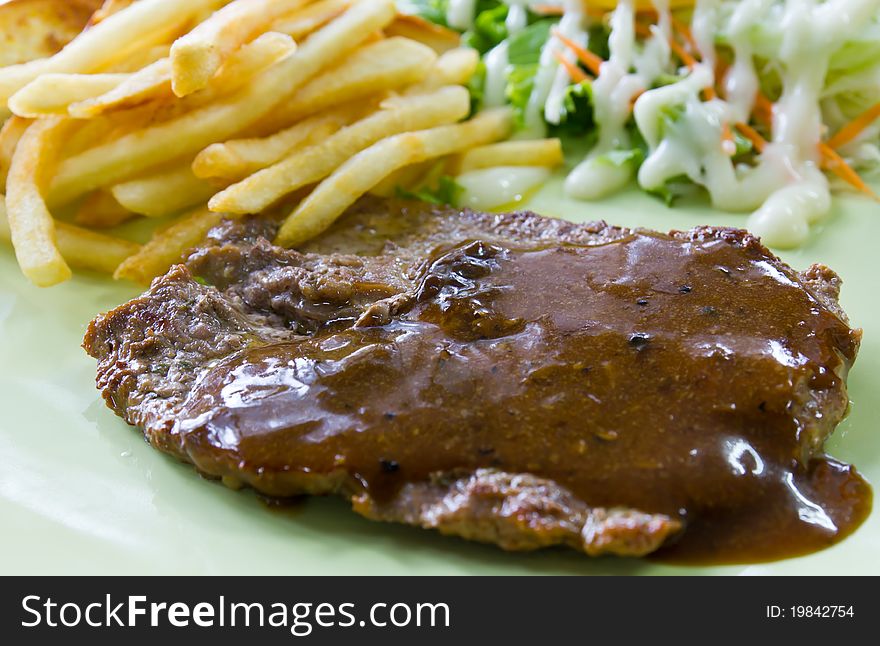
[(366, 169), (538, 152), (101, 211), (168, 246), (111, 40), (266, 187), (31, 224), (10, 135), (189, 133), (238, 158), (454, 67), (80, 247), (437, 37), (164, 193), (51, 94), (385, 65), (137, 88), (196, 57), (303, 22)]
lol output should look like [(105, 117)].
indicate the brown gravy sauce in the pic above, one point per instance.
[(653, 373)]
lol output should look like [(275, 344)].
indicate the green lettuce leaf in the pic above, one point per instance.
[(446, 192)]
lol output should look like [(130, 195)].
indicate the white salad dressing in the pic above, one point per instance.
[(490, 188), (495, 84), (551, 79), (613, 92), (460, 14), (689, 132)]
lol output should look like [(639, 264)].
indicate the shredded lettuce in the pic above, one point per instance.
[(524, 55), (446, 192), (432, 10), (524, 47), (576, 119), (520, 83), (489, 28)]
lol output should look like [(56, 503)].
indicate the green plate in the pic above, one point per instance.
[(80, 491)]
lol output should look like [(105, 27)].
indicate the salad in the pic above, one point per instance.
[(766, 106)]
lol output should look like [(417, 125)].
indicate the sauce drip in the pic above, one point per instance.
[(664, 374)]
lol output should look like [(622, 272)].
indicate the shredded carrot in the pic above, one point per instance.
[(728, 142), (832, 161), (576, 73), (682, 53), (763, 109), (548, 10), (852, 130), (585, 56), (752, 135), (684, 31)]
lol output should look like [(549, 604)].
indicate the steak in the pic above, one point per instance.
[(506, 378)]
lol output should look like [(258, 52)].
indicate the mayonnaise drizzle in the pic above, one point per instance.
[(785, 187)]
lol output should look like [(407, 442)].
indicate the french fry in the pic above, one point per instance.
[(539, 152), (50, 94), (238, 158), (197, 56), (437, 37), (454, 67), (100, 210), (303, 22), (35, 29), (189, 133), (166, 192), (31, 224), (266, 187), (140, 59), (135, 89), (111, 40), (168, 246), (249, 60), (107, 9), (80, 247), (405, 178), (10, 135), (369, 167), (385, 65)]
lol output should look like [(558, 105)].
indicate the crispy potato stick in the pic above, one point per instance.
[(101, 211), (110, 40), (386, 65), (238, 158), (404, 178), (197, 56), (539, 152), (438, 38), (168, 246), (366, 169), (189, 133), (266, 187), (154, 80), (35, 29), (82, 248), (51, 93), (32, 226), (10, 135), (139, 60), (303, 22), (107, 9), (163, 193), (455, 67), (140, 87), (250, 60)]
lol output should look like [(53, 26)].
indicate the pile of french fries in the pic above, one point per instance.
[(185, 113)]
